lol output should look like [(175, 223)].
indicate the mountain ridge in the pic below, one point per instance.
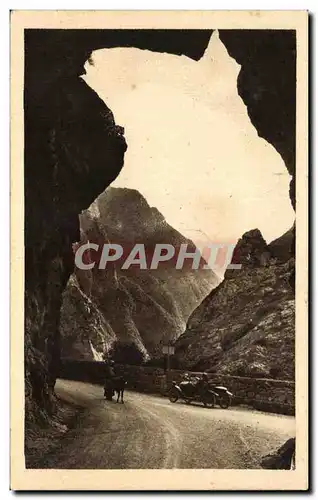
[(246, 325), (146, 307)]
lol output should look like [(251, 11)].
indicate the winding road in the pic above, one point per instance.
[(149, 432)]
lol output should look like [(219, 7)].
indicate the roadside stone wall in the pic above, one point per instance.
[(271, 395), (263, 394)]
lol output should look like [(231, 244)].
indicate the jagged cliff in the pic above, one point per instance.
[(268, 68), (144, 306), (66, 167), (246, 326), (73, 151)]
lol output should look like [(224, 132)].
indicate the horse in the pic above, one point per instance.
[(119, 383)]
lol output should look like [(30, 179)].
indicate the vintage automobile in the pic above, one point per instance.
[(193, 390)]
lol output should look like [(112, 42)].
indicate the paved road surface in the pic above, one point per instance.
[(150, 432)]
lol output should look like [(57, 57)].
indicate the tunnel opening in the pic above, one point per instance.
[(65, 162)]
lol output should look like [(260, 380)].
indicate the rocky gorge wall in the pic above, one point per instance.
[(150, 303), (246, 326), (73, 150), (66, 167), (271, 395)]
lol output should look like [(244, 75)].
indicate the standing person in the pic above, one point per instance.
[(112, 369), (203, 384), (109, 377), (186, 378)]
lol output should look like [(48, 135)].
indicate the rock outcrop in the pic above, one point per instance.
[(268, 68), (283, 458), (284, 247), (246, 326), (143, 306), (73, 150)]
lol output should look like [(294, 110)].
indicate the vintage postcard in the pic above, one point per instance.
[(159, 250)]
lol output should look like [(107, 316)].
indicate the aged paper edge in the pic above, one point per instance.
[(193, 479)]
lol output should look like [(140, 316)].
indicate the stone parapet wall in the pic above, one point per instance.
[(269, 395)]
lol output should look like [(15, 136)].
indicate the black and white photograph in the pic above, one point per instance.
[(159, 194)]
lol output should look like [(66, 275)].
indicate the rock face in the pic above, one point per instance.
[(144, 306), (268, 60), (283, 458), (66, 166), (282, 248), (246, 325)]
